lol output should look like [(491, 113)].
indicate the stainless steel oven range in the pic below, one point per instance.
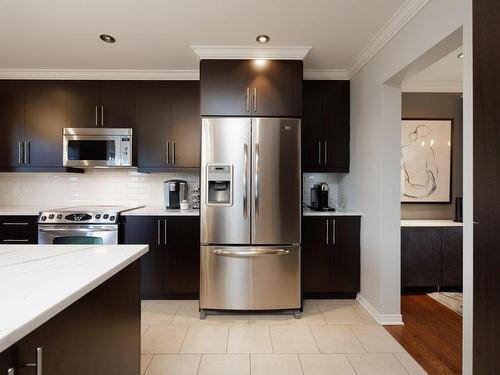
[(93, 225)]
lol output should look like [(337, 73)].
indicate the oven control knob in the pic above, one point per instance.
[(43, 218), (97, 216), (112, 218), (105, 216), (51, 216), (59, 216)]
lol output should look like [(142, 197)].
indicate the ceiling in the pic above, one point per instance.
[(445, 74), (158, 34)]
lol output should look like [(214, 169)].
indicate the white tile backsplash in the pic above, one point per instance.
[(117, 187), (310, 179)]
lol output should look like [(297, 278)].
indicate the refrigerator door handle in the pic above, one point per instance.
[(250, 253), (245, 172), (257, 187)]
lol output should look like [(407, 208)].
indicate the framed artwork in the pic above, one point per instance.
[(426, 160)]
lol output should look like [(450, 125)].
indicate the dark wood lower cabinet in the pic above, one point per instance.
[(18, 230), (171, 268), (431, 257), (98, 334), (330, 256)]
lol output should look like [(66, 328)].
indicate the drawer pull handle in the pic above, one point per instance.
[(15, 240), (15, 223)]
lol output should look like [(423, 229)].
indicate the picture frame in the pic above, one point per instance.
[(426, 160)]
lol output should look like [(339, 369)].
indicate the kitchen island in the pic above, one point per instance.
[(80, 304)]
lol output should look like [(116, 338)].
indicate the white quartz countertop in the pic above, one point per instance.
[(39, 281), (22, 211), (309, 212), (430, 223), (160, 211)]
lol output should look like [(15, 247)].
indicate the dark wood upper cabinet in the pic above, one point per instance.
[(118, 102), (153, 127), (186, 124), (11, 123), (420, 256), (168, 125), (45, 117), (251, 88), (101, 103), (83, 104), (331, 256), (326, 126)]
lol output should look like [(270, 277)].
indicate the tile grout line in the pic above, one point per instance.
[(401, 363), (314, 338), (300, 363), (149, 364), (183, 339), (350, 363), (199, 364), (359, 340), (249, 363), (271, 338)]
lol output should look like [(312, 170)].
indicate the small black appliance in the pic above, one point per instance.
[(175, 193), (319, 197)]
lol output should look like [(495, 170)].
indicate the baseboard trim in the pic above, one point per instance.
[(382, 319)]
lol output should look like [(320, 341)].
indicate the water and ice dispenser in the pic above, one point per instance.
[(219, 184)]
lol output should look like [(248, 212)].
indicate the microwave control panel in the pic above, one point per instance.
[(126, 151)]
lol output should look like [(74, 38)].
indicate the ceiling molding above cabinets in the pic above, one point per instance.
[(434, 86), (326, 74), (245, 52), (100, 74), (399, 19)]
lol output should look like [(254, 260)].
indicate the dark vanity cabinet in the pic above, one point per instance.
[(18, 230), (326, 126), (101, 104), (168, 125), (251, 88), (171, 267), (431, 257), (330, 256)]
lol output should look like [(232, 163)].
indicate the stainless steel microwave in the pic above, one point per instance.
[(97, 147)]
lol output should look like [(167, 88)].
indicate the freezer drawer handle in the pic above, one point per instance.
[(250, 253)]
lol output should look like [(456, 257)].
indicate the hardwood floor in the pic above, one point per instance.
[(432, 334)]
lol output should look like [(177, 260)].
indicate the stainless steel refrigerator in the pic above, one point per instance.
[(250, 214)]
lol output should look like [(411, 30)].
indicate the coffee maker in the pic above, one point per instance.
[(319, 197), (175, 193)]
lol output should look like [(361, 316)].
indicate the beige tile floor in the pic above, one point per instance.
[(332, 337)]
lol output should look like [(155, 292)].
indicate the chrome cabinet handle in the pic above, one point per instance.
[(250, 253), (326, 152), (168, 152), (96, 115), (255, 99), (25, 154), (334, 232), (17, 240), (257, 185), (158, 234), (29, 152), (38, 364), (245, 171), (20, 152), (6, 223), (248, 99), (173, 156), (165, 230), (319, 152), (327, 239), (102, 115)]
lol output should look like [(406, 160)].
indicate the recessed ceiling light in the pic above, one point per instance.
[(461, 55), (107, 38), (262, 39)]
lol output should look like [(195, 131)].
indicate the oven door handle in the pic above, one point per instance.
[(80, 230), (250, 253)]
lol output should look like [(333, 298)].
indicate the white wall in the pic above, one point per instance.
[(100, 186), (374, 183)]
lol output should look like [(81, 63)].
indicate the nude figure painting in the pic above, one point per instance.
[(425, 160)]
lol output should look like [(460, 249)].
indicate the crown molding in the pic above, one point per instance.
[(326, 74), (432, 86), (102, 74), (398, 20), (243, 53)]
